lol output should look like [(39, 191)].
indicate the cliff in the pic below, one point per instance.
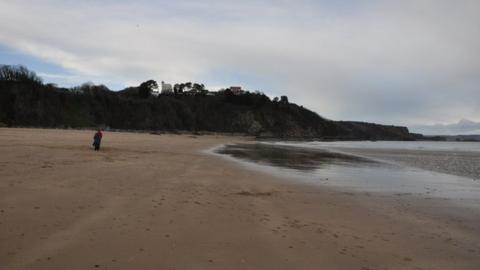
[(31, 103)]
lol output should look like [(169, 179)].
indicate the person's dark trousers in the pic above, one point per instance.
[(97, 146)]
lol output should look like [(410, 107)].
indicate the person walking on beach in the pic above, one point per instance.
[(97, 139)]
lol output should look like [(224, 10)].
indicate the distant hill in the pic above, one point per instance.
[(453, 138), (26, 101), (463, 127)]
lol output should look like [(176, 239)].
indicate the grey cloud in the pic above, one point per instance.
[(464, 126), (402, 62)]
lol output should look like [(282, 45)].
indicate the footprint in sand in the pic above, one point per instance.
[(47, 164)]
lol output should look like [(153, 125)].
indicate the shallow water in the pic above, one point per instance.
[(292, 157), (457, 158), (323, 165), (397, 145)]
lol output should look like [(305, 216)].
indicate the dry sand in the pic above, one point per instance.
[(158, 202)]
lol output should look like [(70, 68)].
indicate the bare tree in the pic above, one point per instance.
[(18, 74)]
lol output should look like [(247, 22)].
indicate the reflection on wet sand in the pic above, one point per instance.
[(288, 157), (327, 167)]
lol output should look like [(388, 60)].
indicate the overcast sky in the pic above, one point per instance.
[(392, 62)]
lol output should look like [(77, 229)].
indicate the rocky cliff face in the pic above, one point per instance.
[(290, 127)]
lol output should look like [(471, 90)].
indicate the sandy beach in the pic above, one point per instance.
[(161, 202)]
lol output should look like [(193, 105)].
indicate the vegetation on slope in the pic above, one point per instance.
[(26, 101)]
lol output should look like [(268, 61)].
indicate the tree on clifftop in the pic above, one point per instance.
[(18, 74), (145, 89)]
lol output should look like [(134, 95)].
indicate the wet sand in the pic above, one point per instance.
[(461, 163), (455, 158), (358, 171), (160, 202), (295, 158)]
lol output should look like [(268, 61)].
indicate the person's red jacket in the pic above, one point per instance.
[(98, 137)]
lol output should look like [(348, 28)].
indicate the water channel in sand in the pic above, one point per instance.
[(361, 168)]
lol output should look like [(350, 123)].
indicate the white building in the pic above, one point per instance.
[(166, 88)]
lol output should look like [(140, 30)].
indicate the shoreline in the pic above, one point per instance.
[(148, 202), (258, 138)]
